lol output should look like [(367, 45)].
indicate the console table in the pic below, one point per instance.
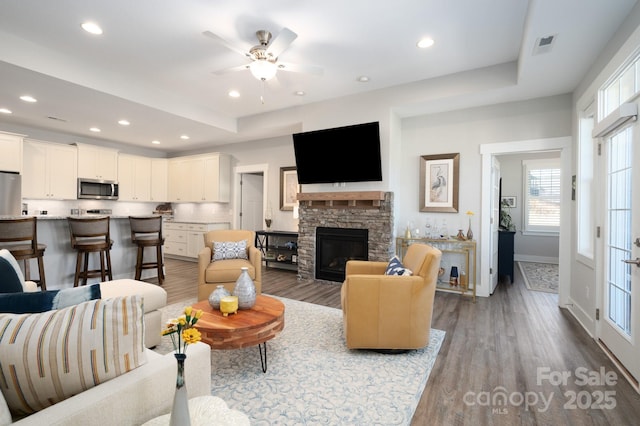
[(279, 249), (459, 253)]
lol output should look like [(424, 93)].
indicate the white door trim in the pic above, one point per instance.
[(239, 170), (487, 151)]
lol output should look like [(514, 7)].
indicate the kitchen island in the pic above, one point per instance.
[(60, 258)]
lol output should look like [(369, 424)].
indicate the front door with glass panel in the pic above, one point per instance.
[(620, 297)]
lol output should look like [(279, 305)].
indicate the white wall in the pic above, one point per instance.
[(464, 131)]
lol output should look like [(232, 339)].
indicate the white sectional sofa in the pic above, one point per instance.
[(130, 399), (155, 297)]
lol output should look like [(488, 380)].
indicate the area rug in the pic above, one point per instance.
[(540, 276), (313, 379)]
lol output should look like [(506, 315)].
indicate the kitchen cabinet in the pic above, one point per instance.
[(185, 239), (50, 171), (97, 163), (11, 152), (202, 178), (159, 179), (134, 178), (460, 254), (178, 181)]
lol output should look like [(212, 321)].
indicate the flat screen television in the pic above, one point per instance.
[(341, 154)]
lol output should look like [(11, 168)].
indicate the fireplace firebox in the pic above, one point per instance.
[(335, 246)]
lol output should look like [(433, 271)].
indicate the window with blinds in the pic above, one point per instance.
[(542, 196)]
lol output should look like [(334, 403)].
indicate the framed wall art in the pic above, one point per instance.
[(439, 176), (509, 201), (289, 188)]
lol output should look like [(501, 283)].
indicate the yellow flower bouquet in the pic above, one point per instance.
[(182, 330)]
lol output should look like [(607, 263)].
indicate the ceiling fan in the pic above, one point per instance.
[(264, 56)]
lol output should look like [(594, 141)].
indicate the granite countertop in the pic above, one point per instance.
[(112, 216), (56, 217)]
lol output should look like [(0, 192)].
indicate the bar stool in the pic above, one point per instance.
[(91, 235), (22, 238), (147, 232)]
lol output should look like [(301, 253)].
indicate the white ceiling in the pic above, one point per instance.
[(154, 67)]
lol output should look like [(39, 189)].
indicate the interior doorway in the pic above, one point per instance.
[(250, 184), (488, 152)]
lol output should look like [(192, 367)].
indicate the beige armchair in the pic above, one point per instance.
[(214, 272), (390, 311)]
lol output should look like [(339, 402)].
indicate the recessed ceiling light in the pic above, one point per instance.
[(5, 111), (234, 93), (155, 142), (425, 42), (95, 129), (92, 28), (123, 123), (363, 79), (300, 93), (28, 98), (184, 137)]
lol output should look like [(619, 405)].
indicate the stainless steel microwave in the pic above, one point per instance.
[(95, 189)]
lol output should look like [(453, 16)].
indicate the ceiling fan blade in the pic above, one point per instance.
[(281, 42), (225, 43), (307, 69), (232, 69)]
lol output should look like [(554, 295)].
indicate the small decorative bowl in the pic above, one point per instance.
[(229, 305)]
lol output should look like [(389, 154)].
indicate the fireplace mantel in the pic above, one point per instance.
[(359, 199)]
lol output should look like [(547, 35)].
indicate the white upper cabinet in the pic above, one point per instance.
[(201, 178), (97, 163), (159, 177), (134, 178), (49, 171), (179, 180), (11, 152)]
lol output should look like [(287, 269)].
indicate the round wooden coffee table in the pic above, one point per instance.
[(248, 327)]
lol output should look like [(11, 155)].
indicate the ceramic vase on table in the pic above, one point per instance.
[(216, 295), (245, 289), (180, 410), (469, 231)]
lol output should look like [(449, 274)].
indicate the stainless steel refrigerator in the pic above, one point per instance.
[(10, 194)]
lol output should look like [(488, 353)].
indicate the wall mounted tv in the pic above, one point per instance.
[(341, 154)]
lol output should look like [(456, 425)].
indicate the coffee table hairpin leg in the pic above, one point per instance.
[(263, 361)]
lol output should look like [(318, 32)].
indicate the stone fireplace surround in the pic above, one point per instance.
[(372, 210)]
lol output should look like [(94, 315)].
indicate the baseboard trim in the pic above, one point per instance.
[(621, 368)]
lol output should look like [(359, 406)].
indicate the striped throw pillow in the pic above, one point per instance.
[(50, 356)]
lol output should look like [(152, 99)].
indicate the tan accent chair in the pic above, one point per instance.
[(390, 312), (212, 273)]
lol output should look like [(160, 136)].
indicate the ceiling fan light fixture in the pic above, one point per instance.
[(263, 69)]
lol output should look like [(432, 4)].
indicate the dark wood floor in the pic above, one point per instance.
[(496, 349)]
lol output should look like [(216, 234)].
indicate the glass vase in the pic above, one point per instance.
[(180, 409), (469, 231), (245, 289), (216, 295)]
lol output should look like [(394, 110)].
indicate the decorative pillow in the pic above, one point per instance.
[(50, 356), (395, 267), (11, 277), (230, 250), (41, 301)]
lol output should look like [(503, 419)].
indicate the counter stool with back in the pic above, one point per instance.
[(91, 235), (146, 231), (20, 237)]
